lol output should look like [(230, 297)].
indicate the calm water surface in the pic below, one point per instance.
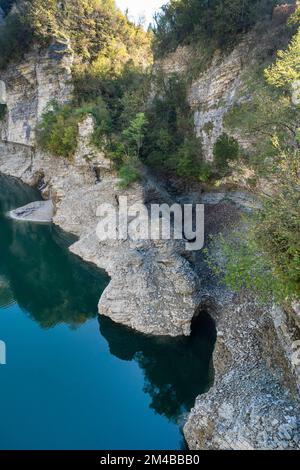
[(72, 380)]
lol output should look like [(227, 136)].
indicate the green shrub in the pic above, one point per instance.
[(264, 256), (226, 149), (58, 130), (244, 266), (205, 172), (102, 119), (133, 136), (271, 115), (217, 22), (286, 70), (188, 161), (170, 144), (16, 37), (3, 110)]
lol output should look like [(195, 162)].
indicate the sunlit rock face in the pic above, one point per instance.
[(2, 92), (212, 96), (2, 15), (222, 83)]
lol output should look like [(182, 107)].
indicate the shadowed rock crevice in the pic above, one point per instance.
[(176, 370)]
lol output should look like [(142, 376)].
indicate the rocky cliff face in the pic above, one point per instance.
[(254, 401), (28, 87), (153, 288)]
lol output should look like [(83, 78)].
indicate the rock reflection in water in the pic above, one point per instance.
[(52, 286), (38, 272), (176, 370)]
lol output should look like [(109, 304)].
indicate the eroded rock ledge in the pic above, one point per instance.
[(38, 211), (254, 402), (153, 287)]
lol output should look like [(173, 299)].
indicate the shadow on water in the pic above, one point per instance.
[(176, 370)]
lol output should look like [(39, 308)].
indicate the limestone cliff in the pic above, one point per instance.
[(27, 88), (254, 403), (222, 83), (154, 286)]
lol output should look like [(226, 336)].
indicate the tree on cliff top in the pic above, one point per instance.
[(90, 25)]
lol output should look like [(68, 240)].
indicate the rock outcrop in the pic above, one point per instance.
[(29, 86), (213, 95), (221, 83), (254, 402), (153, 287), (38, 211)]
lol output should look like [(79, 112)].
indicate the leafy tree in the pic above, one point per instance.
[(286, 70), (93, 27), (226, 149), (267, 116), (129, 148), (128, 174), (170, 144), (265, 255)]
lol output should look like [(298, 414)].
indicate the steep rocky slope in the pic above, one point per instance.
[(154, 288), (223, 81), (254, 401)]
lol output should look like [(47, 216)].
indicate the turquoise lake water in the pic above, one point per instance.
[(74, 380)]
